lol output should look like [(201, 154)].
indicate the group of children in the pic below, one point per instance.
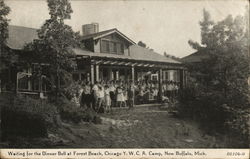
[(102, 96)]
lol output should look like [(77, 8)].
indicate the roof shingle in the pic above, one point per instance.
[(19, 36)]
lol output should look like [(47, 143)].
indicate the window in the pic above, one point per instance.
[(105, 46), (23, 83), (35, 84), (112, 47), (120, 48), (115, 48)]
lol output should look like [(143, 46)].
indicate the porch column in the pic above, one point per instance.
[(97, 72), (117, 75), (133, 74), (181, 79), (29, 81), (160, 83), (88, 77), (185, 78), (92, 74), (110, 74)]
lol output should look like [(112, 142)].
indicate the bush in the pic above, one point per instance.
[(69, 91), (216, 113), (69, 111), (27, 117)]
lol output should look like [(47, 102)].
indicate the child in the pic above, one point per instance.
[(125, 95), (107, 98), (75, 100), (120, 97)]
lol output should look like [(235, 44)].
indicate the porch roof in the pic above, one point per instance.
[(136, 53)]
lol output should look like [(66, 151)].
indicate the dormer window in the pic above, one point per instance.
[(113, 47), (105, 46)]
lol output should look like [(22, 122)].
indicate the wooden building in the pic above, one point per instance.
[(108, 55)]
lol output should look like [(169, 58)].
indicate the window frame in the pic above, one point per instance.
[(114, 44)]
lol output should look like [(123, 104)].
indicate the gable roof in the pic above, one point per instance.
[(140, 53), (101, 34), (19, 36), (195, 57), (136, 53)]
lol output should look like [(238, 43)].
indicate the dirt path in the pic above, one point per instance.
[(138, 128)]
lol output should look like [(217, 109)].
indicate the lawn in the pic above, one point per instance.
[(144, 127)]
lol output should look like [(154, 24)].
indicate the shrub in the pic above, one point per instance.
[(69, 91), (69, 111), (216, 113), (27, 117)]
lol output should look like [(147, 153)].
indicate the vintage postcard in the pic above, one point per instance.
[(124, 79)]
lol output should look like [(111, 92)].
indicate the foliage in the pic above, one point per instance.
[(55, 42), (6, 56), (28, 117), (172, 56), (209, 109), (218, 94), (69, 111), (227, 45), (4, 11), (71, 90), (142, 44)]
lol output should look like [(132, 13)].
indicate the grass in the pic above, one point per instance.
[(144, 127)]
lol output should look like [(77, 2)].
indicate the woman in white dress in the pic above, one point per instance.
[(107, 98), (120, 96)]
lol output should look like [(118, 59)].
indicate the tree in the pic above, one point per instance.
[(6, 58), (4, 11), (142, 44), (55, 42), (226, 43)]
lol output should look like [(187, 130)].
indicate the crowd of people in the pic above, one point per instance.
[(102, 96)]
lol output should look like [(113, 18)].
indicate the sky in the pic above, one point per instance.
[(165, 26)]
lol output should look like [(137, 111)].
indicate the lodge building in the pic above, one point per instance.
[(107, 55)]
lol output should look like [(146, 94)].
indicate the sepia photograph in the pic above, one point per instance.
[(124, 74)]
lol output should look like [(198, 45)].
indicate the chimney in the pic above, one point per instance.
[(90, 28)]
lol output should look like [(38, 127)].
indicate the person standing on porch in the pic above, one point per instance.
[(80, 94), (95, 95), (169, 89), (112, 93), (120, 97), (86, 95), (107, 99), (125, 95), (100, 96), (131, 94)]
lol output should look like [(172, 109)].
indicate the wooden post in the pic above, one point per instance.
[(29, 81), (181, 79), (110, 76), (117, 75), (133, 74), (88, 77), (160, 83), (97, 72), (92, 74), (185, 78)]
